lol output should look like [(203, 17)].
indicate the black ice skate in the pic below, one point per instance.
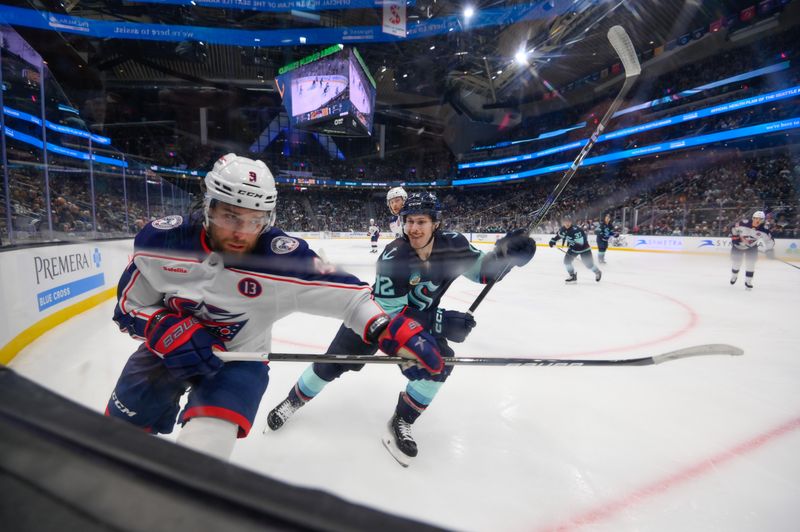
[(748, 285), (399, 442), (278, 415), (598, 275), (734, 276), (572, 279)]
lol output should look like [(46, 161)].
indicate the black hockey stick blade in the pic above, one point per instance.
[(698, 350)]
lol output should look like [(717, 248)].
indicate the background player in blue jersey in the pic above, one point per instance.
[(745, 238), (194, 287), (578, 245), (413, 273), (605, 231)]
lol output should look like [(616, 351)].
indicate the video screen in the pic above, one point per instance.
[(328, 92)]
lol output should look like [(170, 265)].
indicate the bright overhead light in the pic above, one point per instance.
[(433, 47), (469, 11), (405, 75), (521, 57), (499, 72)]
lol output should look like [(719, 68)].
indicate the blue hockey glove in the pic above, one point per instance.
[(553, 242), (455, 325), (407, 338), (517, 248), (184, 344)]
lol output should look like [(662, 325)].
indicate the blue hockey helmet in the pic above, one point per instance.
[(422, 203)]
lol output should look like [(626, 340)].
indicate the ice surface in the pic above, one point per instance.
[(708, 443)]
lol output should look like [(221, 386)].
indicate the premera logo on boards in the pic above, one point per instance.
[(65, 275)]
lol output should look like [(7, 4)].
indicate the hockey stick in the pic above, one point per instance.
[(627, 54), (789, 264), (695, 351)]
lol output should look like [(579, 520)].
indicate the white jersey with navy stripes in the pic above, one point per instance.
[(237, 297), (396, 226), (373, 230), (750, 237)]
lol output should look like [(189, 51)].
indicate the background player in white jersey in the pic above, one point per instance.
[(220, 282), (745, 237), (395, 199), (374, 233)]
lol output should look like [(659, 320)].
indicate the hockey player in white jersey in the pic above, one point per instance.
[(219, 283), (745, 238), (374, 233), (395, 199)]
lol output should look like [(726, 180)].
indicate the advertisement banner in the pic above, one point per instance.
[(394, 17)]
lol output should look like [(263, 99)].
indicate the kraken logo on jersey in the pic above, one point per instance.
[(420, 295), (415, 279)]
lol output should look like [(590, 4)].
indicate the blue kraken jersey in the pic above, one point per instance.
[(405, 279)]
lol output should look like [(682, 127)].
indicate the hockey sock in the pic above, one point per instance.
[(749, 276), (308, 385), (602, 255), (416, 398), (209, 435)]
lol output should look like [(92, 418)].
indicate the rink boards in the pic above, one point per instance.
[(44, 286)]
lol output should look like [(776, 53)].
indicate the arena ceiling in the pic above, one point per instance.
[(471, 70)]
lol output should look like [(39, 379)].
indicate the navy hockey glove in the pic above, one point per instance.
[(455, 325), (184, 344), (514, 249), (407, 338), (553, 242), (517, 248)]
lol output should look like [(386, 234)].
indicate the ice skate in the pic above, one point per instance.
[(572, 279), (278, 415), (598, 275), (399, 442), (748, 285), (734, 277)]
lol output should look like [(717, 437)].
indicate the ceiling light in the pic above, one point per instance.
[(468, 12), (433, 47), (521, 57)]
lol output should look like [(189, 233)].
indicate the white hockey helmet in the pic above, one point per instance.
[(396, 192), (244, 183), (759, 214), (371, 221)]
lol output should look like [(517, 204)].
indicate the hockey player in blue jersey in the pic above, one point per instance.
[(193, 288), (745, 238), (413, 273), (395, 199), (605, 231), (578, 246)]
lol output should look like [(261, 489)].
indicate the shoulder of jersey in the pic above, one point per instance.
[(169, 232), (454, 240), (394, 249)]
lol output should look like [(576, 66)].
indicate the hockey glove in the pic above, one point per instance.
[(184, 344), (407, 338), (455, 326), (552, 242), (517, 248)]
